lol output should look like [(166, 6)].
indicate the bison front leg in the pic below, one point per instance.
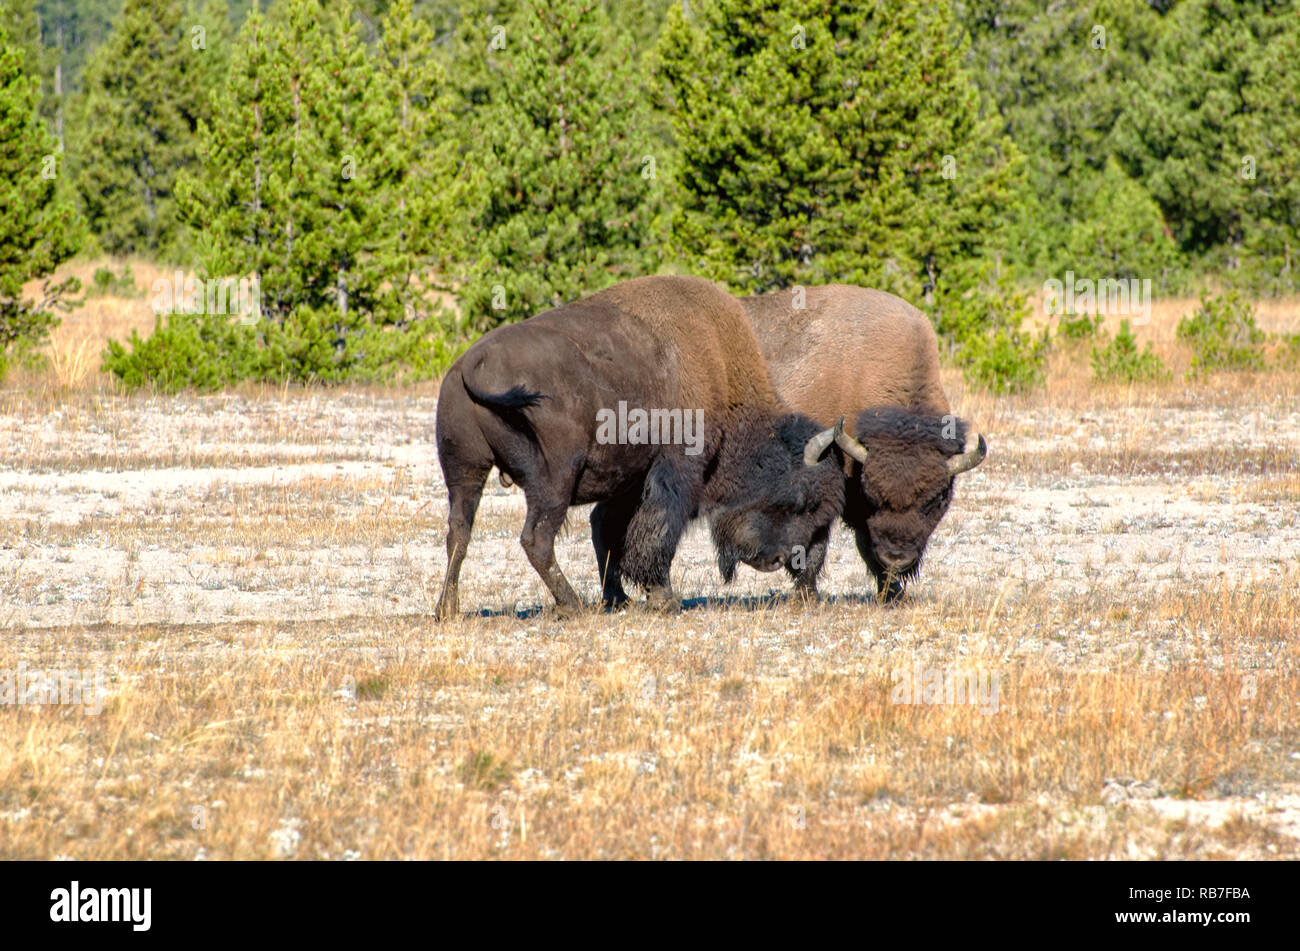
[(462, 504), (804, 567), (654, 531), (609, 522)]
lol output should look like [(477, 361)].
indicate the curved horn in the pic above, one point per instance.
[(852, 448), (970, 458), (814, 447)]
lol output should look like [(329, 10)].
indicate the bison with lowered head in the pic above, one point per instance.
[(844, 351), (534, 399)]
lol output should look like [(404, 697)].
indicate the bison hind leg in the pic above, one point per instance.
[(547, 511), (463, 498)]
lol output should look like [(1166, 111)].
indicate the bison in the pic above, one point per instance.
[(536, 400), (841, 350)]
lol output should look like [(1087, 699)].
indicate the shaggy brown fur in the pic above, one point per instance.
[(846, 349)]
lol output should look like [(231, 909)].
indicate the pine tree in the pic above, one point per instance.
[(428, 186), (1119, 232), (302, 167), (1186, 134), (73, 30), (135, 128), (37, 232), (1271, 136), (570, 190), (827, 142), (19, 21), (479, 45), (1060, 80)]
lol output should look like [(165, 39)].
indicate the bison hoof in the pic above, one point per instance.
[(567, 609), (806, 595), (663, 599), (890, 594)]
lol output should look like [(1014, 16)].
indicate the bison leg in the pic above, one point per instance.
[(462, 504), (609, 521), (805, 577), (546, 512), (654, 531)]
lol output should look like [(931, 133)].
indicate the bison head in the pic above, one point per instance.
[(909, 463), (786, 488)]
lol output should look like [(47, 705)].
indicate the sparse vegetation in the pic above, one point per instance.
[(1223, 334), (1120, 360), (108, 284)]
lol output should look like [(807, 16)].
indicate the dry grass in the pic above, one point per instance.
[(253, 575), (639, 736)]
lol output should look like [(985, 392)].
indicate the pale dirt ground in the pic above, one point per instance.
[(1026, 519)]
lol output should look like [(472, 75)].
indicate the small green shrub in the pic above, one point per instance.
[(979, 312), (209, 351), (1223, 335), (1288, 355), (1079, 326), (1120, 360), (107, 284), (1005, 361), (199, 351)]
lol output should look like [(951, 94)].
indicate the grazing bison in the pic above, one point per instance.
[(849, 351), (537, 400)]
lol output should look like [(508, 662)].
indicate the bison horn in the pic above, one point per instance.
[(812, 451), (813, 448), (970, 458), (852, 448)]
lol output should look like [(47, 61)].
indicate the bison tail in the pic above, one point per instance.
[(517, 397), (489, 384)]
